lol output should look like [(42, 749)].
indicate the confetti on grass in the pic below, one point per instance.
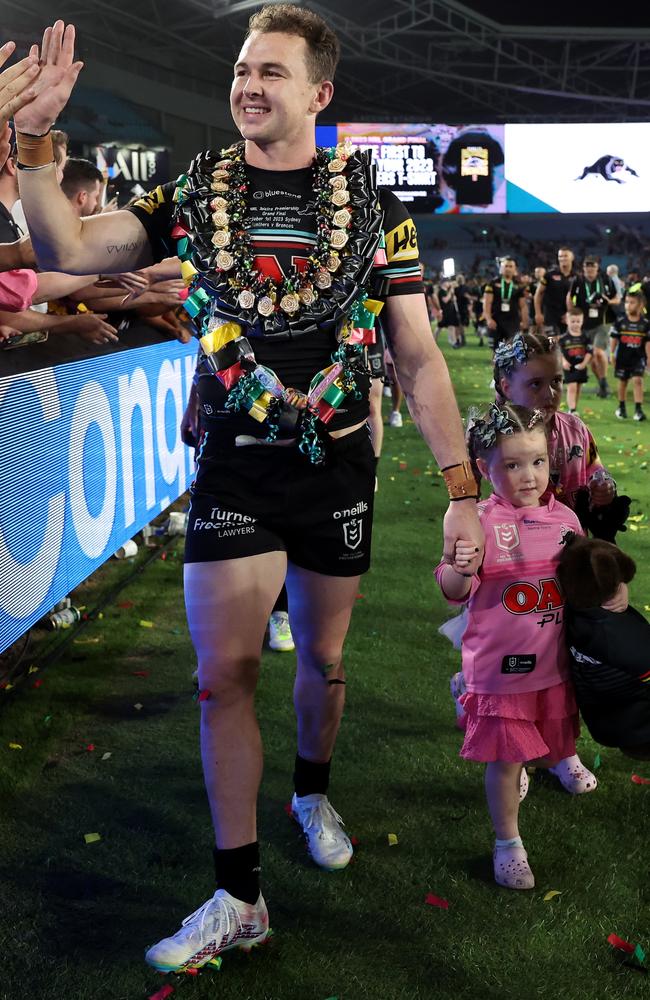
[(638, 780), (432, 900), (91, 838), (15, 746), (392, 840), (551, 893), (620, 944), (597, 762), (145, 624)]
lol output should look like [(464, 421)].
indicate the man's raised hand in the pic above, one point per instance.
[(53, 85), (16, 84)]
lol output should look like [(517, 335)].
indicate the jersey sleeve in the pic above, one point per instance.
[(155, 211), (402, 268)]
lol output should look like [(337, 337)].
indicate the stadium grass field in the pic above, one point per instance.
[(75, 918)]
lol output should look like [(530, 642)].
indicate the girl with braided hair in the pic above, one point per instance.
[(528, 372), (519, 702)]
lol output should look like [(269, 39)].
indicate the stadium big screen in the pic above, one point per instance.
[(545, 167), (433, 168)]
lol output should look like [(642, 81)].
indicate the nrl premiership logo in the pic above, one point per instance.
[(507, 536), (352, 532)]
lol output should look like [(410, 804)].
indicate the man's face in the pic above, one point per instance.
[(508, 269), (565, 260), (539, 273), (591, 271), (271, 98), (86, 201)]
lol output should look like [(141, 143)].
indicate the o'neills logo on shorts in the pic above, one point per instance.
[(361, 508)]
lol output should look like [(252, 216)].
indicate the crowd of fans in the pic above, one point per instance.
[(35, 305)]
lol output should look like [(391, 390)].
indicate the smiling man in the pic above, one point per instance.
[(282, 247)]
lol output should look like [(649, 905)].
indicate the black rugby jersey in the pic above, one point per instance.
[(281, 222), (631, 337)]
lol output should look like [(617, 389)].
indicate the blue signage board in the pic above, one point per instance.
[(90, 452)]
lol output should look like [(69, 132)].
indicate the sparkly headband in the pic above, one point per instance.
[(497, 421), (511, 353)]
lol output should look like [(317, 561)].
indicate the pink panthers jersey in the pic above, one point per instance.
[(514, 639), (573, 456)]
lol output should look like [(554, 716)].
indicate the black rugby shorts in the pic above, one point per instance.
[(629, 371), (269, 498)]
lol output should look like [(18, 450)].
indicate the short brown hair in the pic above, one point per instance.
[(591, 570), (323, 47), (575, 311)]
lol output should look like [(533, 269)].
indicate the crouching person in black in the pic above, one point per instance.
[(610, 644)]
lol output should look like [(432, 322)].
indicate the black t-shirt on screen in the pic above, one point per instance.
[(468, 167)]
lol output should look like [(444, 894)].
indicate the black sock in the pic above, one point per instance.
[(237, 870), (377, 457), (638, 407), (310, 778), (621, 406)]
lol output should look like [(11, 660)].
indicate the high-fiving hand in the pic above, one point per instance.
[(53, 84)]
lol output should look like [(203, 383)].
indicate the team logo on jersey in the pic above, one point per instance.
[(507, 536), (402, 242), (575, 451), (353, 532), (151, 201)]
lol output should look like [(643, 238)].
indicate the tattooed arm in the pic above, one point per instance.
[(102, 244)]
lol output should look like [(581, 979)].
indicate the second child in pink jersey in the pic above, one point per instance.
[(519, 701)]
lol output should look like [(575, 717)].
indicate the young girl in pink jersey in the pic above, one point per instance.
[(519, 702), (528, 372)]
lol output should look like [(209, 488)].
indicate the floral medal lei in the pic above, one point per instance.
[(229, 298)]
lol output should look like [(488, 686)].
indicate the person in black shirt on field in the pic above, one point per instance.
[(576, 354), (551, 293), (594, 292), (504, 304), (608, 641), (630, 349)]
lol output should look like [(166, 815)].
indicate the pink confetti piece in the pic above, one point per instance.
[(360, 597), (90, 747), (432, 900), (620, 944), (140, 673), (162, 994), (638, 780), (37, 684), (287, 808), (125, 604), (355, 841), (204, 695)]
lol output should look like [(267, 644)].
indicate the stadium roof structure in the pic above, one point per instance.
[(402, 60)]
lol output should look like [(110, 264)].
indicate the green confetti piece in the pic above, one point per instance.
[(597, 762), (91, 838), (639, 954)]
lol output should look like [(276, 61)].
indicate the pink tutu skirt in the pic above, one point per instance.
[(519, 727)]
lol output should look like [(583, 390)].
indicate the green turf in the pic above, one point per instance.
[(76, 918)]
